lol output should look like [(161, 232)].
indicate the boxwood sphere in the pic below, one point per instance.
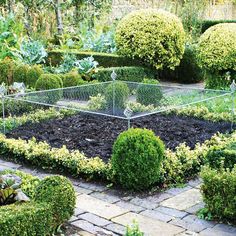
[(136, 158), (217, 47), (156, 37), (60, 194), (33, 75)]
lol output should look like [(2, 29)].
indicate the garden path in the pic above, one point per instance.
[(102, 211)]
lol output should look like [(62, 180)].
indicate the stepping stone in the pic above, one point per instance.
[(99, 207), (149, 226), (184, 200), (96, 220), (214, 232)]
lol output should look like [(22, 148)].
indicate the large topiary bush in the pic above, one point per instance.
[(6, 71), (156, 37), (136, 158), (71, 79), (33, 74), (20, 73)]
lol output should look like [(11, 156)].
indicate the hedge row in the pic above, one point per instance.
[(209, 23), (104, 59), (52, 203)]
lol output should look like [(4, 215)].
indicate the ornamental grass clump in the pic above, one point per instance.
[(156, 37), (136, 158)]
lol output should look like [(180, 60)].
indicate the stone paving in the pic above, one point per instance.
[(101, 211)]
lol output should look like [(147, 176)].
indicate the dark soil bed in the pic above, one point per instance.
[(95, 135)]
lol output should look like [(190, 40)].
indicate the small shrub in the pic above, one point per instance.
[(6, 71), (120, 94), (33, 74), (149, 94), (59, 192), (71, 79), (133, 230), (156, 37), (136, 158), (219, 191), (20, 73)]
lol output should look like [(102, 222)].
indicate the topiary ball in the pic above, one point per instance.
[(136, 158), (71, 79), (59, 193), (20, 73), (119, 92), (33, 74), (156, 37), (217, 48), (7, 67)]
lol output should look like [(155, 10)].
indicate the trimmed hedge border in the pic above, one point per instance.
[(206, 24), (42, 215), (104, 59)]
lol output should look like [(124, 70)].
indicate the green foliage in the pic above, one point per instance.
[(217, 48), (132, 73), (20, 73), (149, 94), (6, 71), (209, 23), (60, 194), (71, 79), (117, 91), (219, 190), (67, 64), (136, 159), (218, 156), (155, 37), (133, 230), (96, 103), (33, 74), (204, 214)]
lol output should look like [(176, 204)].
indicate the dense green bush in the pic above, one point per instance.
[(155, 37), (60, 194), (219, 156), (136, 158), (117, 91), (6, 71), (33, 74), (219, 191), (148, 94), (104, 59), (209, 23), (133, 74), (20, 73), (71, 79)]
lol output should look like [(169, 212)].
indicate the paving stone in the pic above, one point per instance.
[(188, 233), (176, 191), (82, 190), (195, 182), (225, 228), (99, 207), (130, 206), (148, 225), (171, 212), (194, 209), (157, 198), (192, 223), (10, 164), (184, 200), (157, 215), (96, 220), (105, 197), (93, 187), (119, 229), (78, 211), (144, 203), (84, 233), (2, 168), (213, 232), (73, 218)]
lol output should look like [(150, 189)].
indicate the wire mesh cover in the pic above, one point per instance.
[(125, 100)]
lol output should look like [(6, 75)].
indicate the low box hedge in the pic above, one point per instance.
[(104, 59), (52, 203)]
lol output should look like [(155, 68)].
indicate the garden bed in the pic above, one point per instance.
[(95, 135)]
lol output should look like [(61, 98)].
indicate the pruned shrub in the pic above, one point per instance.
[(136, 158), (156, 37), (6, 71), (119, 92), (71, 79), (33, 74), (219, 191), (20, 73)]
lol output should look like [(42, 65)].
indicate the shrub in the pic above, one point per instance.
[(20, 73), (71, 79), (133, 230), (133, 73), (60, 194), (6, 71), (217, 48), (219, 156), (155, 37), (136, 158), (33, 74), (120, 94), (209, 23), (219, 191), (149, 94)]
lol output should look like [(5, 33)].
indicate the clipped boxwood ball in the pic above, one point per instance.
[(156, 37), (71, 79), (136, 158), (20, 73), (217, 48), (60, 194), (33, 74), (7, 67)]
